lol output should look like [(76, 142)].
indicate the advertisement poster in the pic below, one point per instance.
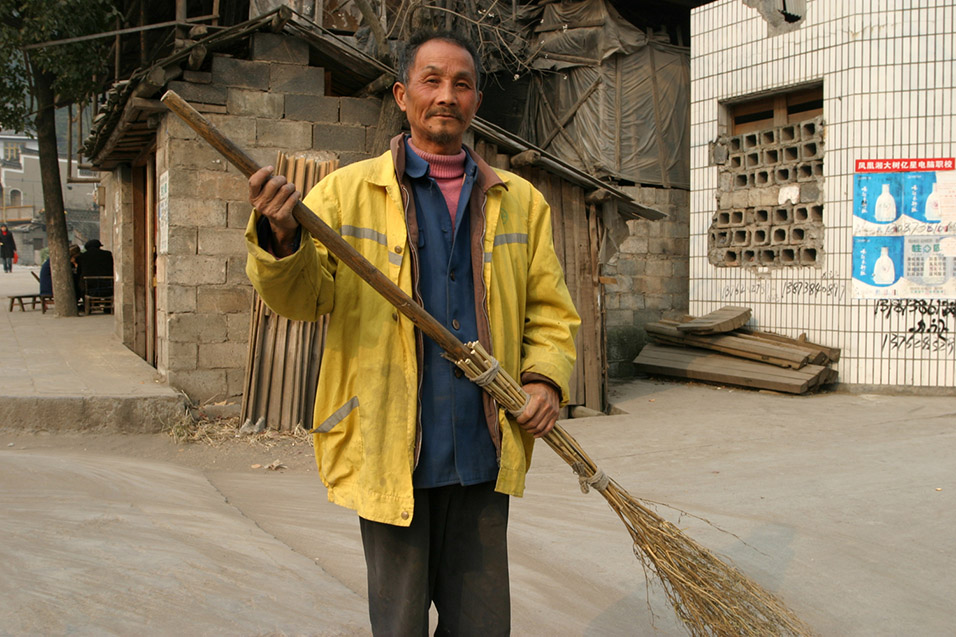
[(904, 229), (162, 213)]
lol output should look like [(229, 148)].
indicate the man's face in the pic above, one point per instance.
[(441, 97)]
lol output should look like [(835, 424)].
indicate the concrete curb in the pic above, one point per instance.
[(123, 414)]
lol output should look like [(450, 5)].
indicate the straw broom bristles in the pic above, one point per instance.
[(709, 596)]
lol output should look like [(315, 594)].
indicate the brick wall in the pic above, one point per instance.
[(116, 214), (647, 278), (273, 101)]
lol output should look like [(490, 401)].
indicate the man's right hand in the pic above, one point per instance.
[(274, 198)]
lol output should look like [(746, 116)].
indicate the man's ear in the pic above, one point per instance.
[(478, 104), (398, 92)]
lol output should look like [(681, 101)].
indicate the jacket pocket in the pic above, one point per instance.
[(339, 443)]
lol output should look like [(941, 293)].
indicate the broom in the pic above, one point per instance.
[(708, 596)]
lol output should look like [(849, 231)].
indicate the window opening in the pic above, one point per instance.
[(12, 151), (770, 183)]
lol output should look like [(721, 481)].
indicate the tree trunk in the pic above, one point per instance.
[(61, 270)]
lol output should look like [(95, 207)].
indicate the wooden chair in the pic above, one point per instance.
[(98, 294), (18, 299), (46, 300)]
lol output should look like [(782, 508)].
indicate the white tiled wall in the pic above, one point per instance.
[(887, 68)]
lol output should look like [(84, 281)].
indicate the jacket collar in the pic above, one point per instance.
[(385, 172)]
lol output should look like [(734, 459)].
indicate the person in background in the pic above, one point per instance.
[(46, 278), (8, 248), (93, 261)]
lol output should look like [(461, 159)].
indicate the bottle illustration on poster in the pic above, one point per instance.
[(885, 206), (884, 272), (920, 198), (877, 197), (878, 261)]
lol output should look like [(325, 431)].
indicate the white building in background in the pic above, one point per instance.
[(21, 204), (809, 119), (19, 192)]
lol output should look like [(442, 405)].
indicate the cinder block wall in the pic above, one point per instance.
[(769, 198), (273, 101), (647, 279), (116, 213)]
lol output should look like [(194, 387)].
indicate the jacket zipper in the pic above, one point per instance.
[(419, 345), (484, 310)]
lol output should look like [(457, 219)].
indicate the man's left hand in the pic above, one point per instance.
[(541, 413)]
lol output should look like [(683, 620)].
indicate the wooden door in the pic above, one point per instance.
[(144, 260)]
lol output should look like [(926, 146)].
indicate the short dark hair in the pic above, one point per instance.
[(407, 56)]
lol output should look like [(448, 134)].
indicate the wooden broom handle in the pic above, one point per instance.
[(321, 231)]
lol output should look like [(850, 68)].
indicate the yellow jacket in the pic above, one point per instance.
[(366, 409)]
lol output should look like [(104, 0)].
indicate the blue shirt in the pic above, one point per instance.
[(456, 445)]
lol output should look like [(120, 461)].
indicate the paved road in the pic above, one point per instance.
[(843, 504), (73, 373)]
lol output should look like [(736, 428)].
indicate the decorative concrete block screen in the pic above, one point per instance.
[(770, 197)]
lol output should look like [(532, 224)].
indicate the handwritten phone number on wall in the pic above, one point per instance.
[(769, 292), (918, 342), (923, 307)]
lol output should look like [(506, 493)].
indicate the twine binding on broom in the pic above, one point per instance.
[(599, 480), (710, 597)]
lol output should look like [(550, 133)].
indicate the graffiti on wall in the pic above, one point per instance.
[(827, 288), (929, 325)]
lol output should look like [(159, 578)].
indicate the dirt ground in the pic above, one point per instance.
[(842, 504), (224, 450)]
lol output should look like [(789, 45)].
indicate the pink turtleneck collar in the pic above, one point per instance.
[(448, 171)]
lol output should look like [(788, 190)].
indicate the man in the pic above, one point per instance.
[(425, 458), (94, 261)]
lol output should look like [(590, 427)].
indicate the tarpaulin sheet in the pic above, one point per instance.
[(635, 123)]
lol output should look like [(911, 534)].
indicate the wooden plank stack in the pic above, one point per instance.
[(717, 348), (282, 364)]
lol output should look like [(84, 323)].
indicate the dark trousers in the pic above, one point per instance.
[(454, 553), (8, 264)]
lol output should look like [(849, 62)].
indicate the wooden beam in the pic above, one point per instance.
[(765, 352), (281, 18), (380, 84), (696, 364), (599, 196), (196, 57), (724, 319), (147, 106), (526, 158)]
